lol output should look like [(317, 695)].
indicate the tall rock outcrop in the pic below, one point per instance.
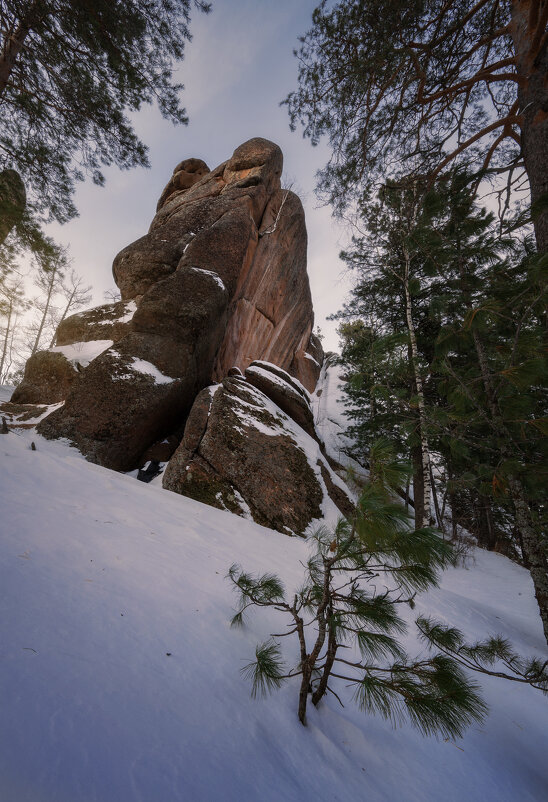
[(219, 281)]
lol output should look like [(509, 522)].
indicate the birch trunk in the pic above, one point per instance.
[(6, 338), (421, 406)]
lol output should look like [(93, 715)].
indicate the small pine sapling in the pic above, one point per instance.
[(340, 604)]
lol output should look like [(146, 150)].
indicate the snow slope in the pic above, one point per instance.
[(121, 676)]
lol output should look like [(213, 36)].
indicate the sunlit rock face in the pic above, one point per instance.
[(218, 281)]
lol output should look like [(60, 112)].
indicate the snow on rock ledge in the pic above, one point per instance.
[(243, 452)]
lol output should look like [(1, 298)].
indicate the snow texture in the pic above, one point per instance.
[(258, 365), (215, 276), (131, 308), (329, 418), (142, 366), (258, 370), (82, 353), (121, 675)]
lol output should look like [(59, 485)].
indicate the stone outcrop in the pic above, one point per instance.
[(241, 451), (48, 379), (107, 322), (288, 394), (219, 281)]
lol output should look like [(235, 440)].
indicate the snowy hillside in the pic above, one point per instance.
[(121, 676)]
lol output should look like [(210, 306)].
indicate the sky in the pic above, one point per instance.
[(237, 69)]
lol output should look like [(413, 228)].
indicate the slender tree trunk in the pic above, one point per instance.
[(6, 337), (14, 40), (533, 548), (439, 517), (328, 664), (303, 693), (528, 31), (47, 304), (418, 487), (424, 518), (63, 316), (487, 537)]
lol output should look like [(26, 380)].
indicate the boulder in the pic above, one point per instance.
[(185, 175), (107, 322), (48, 379), (241, 452), (121, 404), (287, 394)]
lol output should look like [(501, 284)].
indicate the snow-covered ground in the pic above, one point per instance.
[(121, 676)]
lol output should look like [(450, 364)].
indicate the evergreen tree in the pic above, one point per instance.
[(71, 71), (478, 309), (410, 85), (339, 606)]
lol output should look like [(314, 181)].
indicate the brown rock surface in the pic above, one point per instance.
[(120, 405), (240, 450), (219, 281), (47, 379), (185, 175), (286, 394), (268, 470), (271, 316), (107, 322)]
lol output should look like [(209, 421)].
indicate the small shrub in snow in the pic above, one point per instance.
[(355, 580)]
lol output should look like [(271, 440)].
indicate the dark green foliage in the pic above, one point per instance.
[(71, 73), (378, 79), (479, 319), (339, 604), (265, 672), (493, 656)]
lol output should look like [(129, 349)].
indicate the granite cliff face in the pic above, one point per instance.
[(209, 354), (219, 280)]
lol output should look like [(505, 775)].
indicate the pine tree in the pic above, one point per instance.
[(404, 86), (478, 312), (339, 606), (71, 73)]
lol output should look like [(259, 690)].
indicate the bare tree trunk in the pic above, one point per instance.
[(418, 487), (329, 660), (6, 337), (424, 518), (66, 310), (528, 31), (536, 555), (47, 303), (15, 39), (439, 517)]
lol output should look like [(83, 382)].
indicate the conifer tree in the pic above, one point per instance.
[(479, 312), (71, 73), (340, 605)]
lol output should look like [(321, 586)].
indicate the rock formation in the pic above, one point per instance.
[(219, 281), (250, 446), (207, 362)]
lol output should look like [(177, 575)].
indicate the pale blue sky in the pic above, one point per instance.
[(238, 68)]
